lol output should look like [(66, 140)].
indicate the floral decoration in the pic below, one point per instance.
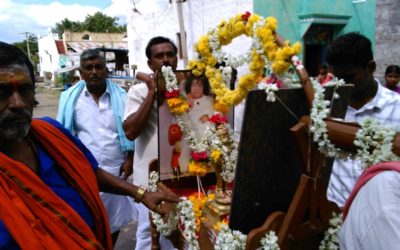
[(375, 142), (270, 90), (264, 50), (218, 139), (228, 239), (270, 241), (331, 237), (320, 110), (165, 228)]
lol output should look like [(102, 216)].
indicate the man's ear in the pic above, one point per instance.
[(371, 66), (150, 65)]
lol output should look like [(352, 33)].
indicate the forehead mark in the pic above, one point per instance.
[(13, 81)]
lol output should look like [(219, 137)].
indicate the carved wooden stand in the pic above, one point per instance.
[(309, 212)]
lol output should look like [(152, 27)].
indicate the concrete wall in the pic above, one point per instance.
[(48, 54), (289, 13), (387, 36)]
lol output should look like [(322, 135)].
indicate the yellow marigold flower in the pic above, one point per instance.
[(197, 168), (174, 102), (272, 23), (215, 155), (226, 31), (221, 108)]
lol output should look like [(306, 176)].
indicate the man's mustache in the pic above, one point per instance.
[(9, 116)]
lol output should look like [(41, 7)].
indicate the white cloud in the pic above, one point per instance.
[(17, 18)]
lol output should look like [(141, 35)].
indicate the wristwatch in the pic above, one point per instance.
[(140, 193)]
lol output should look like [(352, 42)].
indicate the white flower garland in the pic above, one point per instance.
[(331, 238), (228, 239), (232, 61), (320, 110), (184, 214), (162, 227), (270, 90), (270, 241), (375, 143), (171, 83), (229, 150)]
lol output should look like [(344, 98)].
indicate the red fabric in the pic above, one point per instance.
[(365, 177), (34, 215)]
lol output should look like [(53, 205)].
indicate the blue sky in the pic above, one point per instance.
[(99, 3), (38, 17)]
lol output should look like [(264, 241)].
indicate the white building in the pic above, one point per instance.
[(149, 18), (56, 53), (52, 54)]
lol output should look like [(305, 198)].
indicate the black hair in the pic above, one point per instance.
[(203, 79), (158, 40), (392, 69), (91, 54), (10, 54), (324, 66), (350, 49)]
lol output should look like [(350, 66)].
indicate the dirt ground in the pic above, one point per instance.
[(48, 104)]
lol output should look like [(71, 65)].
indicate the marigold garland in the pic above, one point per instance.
[(198, 168), (264, 50)]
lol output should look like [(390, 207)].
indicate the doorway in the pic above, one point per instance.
[(316, 42)]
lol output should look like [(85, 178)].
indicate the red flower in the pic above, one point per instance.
[(218, 119), (246, 16), (198, 156), (172, 94)]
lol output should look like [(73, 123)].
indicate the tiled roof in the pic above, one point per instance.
[(81, 46), (60, 47)]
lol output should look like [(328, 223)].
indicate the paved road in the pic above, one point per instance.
[(48, 102)]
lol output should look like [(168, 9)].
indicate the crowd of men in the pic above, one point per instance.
[(52, 172)]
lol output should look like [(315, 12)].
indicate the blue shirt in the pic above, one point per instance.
[(47, 171)]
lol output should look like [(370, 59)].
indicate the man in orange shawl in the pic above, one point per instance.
[(49, 182)]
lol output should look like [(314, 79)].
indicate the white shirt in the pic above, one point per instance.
[(146, 144), (373, 221), (96, 127), (384, 107)]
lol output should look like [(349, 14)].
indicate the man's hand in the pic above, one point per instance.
[(126, 170), (149, 79), (153, 200)]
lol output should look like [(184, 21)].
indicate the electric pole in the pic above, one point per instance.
[(182, 32), (27, 36)]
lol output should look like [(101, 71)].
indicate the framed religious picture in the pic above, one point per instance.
[(270, 163), (179, 133)]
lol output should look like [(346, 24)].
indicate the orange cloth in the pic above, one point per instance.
[(34, 215)]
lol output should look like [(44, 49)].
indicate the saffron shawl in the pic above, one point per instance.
[(367, 175), (34, 215)]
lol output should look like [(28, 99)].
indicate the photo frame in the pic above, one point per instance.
[(174, 153)]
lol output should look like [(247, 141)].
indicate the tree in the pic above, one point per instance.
[(98, 22), (66, 24), (33, 48)]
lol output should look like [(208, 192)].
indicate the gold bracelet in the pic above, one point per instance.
[(140, 193)]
